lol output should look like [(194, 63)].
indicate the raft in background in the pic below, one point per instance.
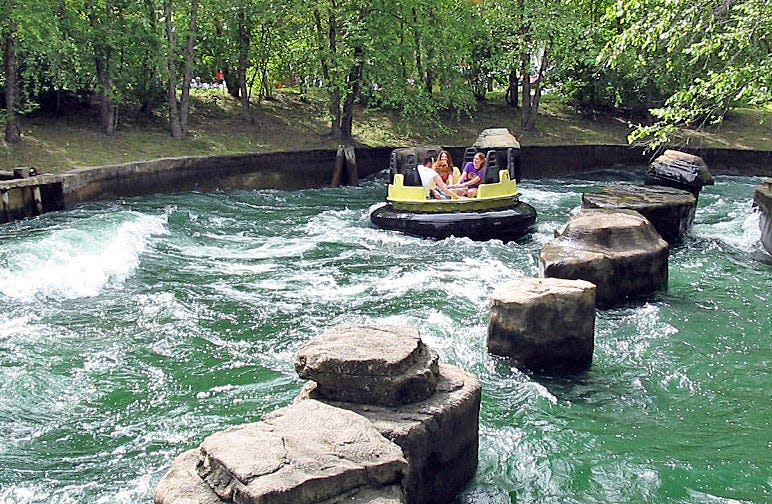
[(496, 213)]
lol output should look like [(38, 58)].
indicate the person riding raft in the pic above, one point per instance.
[(432, 181)]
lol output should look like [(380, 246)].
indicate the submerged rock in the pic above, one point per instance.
[(617, 250), (680, 170), (763, 199), (544, 324), (670, 210)]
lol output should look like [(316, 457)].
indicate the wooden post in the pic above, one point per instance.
[(5, 206), (337, 173), (38, 200), (351, 165)]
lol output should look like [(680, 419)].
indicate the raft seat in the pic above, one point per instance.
[(505, 187), (398, 191)]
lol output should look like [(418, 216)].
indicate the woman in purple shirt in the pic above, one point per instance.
[(474, 172)]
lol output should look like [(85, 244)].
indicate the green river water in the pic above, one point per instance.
[(132, 329)]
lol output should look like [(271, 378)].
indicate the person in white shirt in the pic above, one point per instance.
[(430, 179)]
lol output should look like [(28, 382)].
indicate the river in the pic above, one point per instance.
[(133, 328)]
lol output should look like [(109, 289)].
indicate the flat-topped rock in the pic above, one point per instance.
[(384, 365), (763, 199), (496, 138), (670, 210), (617, 250), (438, 435), (680, 170), (544, 324), (305, 453)]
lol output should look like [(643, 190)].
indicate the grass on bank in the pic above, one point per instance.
[(57, 143)]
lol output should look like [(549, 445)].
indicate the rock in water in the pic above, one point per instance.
[(617, 250), (670, 210), (680, 170), (544, 324)]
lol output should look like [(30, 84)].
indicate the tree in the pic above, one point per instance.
[(102, 21), (717, 54), (12, 129), (523, 34), (179, 110)]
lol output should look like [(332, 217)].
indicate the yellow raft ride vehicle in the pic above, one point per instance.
[(496, 213)]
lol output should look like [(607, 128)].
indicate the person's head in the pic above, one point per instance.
[(445, 156), (479, 160), (441, 166), (428, 161)]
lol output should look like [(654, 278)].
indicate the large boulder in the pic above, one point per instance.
[(306, 453), (617, 250), (544, 324), (438, 434), (496, 138), (680, 170), (763, 199), (385, 365), (670, 210)]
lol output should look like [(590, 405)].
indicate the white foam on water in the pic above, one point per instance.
[(79, 260), (737, 225)]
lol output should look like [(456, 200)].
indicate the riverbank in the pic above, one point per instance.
[(59, 143)]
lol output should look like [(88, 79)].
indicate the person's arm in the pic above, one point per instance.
[(461, 179), (442, 185)]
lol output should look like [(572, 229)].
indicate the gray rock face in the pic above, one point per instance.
[(544, 324), (670, 210), (763, 198), (386, 365), (617, 250), (306, 453), (680, 170), (182, 485), (439, 435), (387, 451), (496, 138)]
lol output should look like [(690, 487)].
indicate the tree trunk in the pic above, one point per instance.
[(354, 85), (171, 68), (527, 120), (331, 35), (419, 66), (243, 62), (512, 96), (103, 55), (149, 81), (187, 72), (12, 129)]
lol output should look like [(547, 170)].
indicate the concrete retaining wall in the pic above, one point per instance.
[(280, 170), (314, 168)]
